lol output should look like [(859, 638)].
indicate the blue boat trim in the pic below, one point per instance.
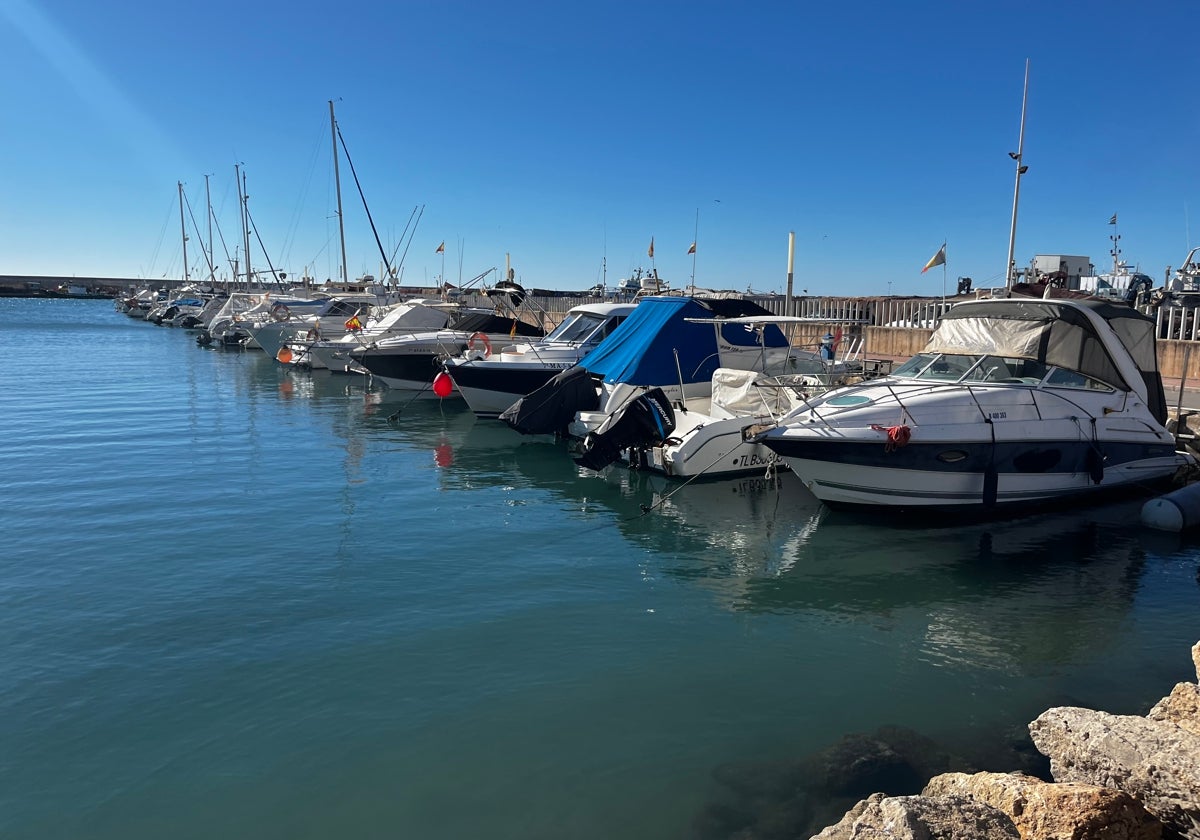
[(1006, 457)]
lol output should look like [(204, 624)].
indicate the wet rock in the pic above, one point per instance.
[(892, 760), (922, 818), (1048, 811), (858, 765), (1156, 762)]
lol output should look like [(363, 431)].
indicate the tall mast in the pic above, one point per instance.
[(212, 268), (337, 182), (1021, 168), (183, 232), (242, 199)]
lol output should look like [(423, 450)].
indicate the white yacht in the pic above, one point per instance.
[(334, 354), (410, 362), (1012, 402), (326, 321)]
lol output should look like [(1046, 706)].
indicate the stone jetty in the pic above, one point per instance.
[(1115, 777)]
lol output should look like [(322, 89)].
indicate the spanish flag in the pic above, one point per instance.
[(441, 249), (354, 325), (938, 259), (650, 250)]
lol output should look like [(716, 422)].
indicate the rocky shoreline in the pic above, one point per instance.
[(1109, 777)]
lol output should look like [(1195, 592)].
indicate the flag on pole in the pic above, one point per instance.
[(650, 250), (441, 249), (354, 325), (1113, 220), (692, 250), (938, 259)]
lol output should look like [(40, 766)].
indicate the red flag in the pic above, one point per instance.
[(354, 325)]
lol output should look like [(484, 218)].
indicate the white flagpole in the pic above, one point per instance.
[(695, 240), (943, 289)]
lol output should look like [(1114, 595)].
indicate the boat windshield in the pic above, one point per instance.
[(970, 369), (579, 326)]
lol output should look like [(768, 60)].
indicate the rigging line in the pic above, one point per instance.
[(224, 245), (404, 256), (196, 229), (404, 233), (395, 415), (362, 196), (293, 228), (266, 256), (162, 234)]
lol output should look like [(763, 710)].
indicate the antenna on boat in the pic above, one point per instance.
[(1021, 169), (1116, 247)]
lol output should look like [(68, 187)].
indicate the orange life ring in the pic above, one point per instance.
[(481, 337)]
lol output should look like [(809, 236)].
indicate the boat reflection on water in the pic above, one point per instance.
[(1008, 595)]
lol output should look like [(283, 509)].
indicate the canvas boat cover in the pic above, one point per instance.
[(642, 350), (1058, 333)]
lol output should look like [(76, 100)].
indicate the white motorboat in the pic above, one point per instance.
[(410, 362), (666, 348), (707, 439), (492, 381), (247, 311), (327, 320), (334, 354), (1012, 402)]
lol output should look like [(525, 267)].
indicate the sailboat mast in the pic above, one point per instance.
[(212, 268), (183, 232), (1021, 167), (337, 182), (242, 200)]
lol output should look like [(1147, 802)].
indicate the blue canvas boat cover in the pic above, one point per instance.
[(641, 351)]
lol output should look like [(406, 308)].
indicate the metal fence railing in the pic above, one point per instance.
[(1174, 322)]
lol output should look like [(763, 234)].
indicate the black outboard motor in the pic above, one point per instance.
[(551, 408), (643, 421)]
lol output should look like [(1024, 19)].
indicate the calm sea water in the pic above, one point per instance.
[(242, 602)]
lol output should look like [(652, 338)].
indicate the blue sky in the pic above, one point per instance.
[(567, 135)]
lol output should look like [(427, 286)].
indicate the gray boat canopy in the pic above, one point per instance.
[(1069, 334)]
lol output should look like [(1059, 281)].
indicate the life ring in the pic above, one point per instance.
[(280, 312), (482, 338)]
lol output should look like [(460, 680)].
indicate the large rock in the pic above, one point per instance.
[(1181, 707), (880, 817), (1157, 763), (1045, 811)]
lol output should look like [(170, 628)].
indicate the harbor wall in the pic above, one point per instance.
[(1179, 362)]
